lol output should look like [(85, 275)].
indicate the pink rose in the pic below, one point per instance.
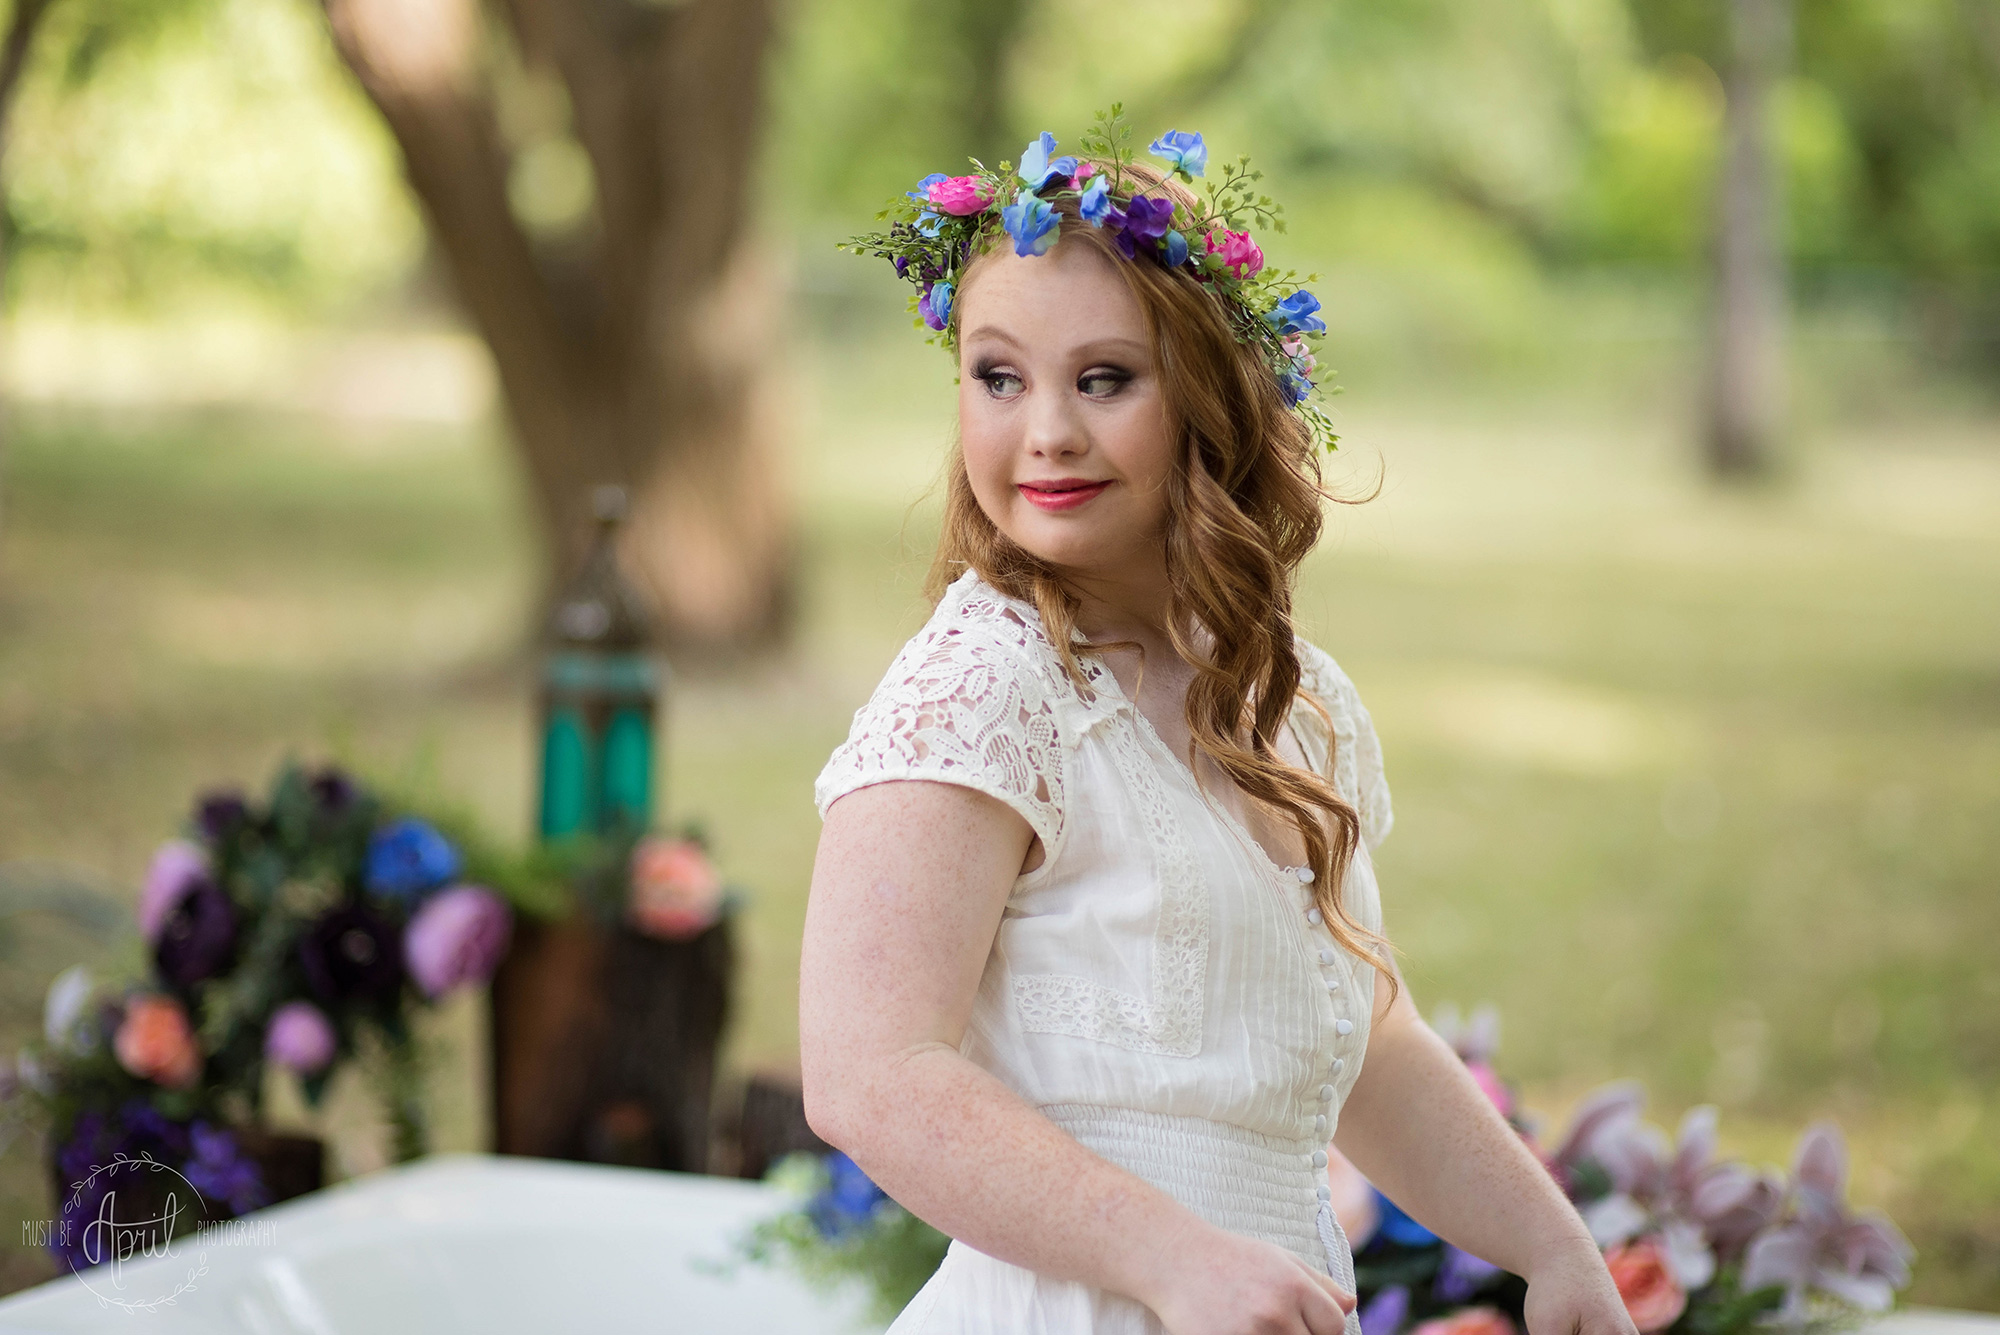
[(1240, 254), (962, 195), (154, 1042), (457, 937), (676, 890), (1468, 1321), (176, 869), (1652, 1299), (299, 1038)]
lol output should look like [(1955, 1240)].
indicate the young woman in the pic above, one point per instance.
[(1092, 971)]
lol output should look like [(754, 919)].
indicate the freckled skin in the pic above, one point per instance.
[(1057, 384)]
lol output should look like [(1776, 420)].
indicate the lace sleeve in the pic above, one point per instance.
[(958, 706), (1356, 768)]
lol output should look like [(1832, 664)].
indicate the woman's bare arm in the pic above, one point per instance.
[(1420, 1128), (906, 900)]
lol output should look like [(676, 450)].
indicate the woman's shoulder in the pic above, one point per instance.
[(1355, 767)]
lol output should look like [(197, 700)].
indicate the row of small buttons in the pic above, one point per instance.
[(1328, 957)]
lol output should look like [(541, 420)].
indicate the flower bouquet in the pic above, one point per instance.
[(842, 1229), (1696, 1245), (280, 933)]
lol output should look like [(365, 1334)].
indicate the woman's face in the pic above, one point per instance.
[(1059, 410)]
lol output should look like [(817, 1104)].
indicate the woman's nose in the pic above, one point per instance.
[(1054, 427)]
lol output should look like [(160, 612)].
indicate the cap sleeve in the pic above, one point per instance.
[(1355, 765), (964, 706)]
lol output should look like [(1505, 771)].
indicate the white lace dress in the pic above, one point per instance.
[(1158, 987)]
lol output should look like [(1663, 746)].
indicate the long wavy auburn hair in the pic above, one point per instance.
[(1243, 509)]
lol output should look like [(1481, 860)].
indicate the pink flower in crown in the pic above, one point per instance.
[(1240, 254), (676, 890), (1302, 359), (1084, 172), (961, 195)]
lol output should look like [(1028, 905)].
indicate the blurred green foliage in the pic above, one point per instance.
[(168, 148)]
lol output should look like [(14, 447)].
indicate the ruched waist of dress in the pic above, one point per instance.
[(1237, 1179)]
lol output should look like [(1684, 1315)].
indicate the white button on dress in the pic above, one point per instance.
[(1152, 989)]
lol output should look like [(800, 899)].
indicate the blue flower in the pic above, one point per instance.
[(922, 193), (929, 221), (1294, 387), (1294, 315), (1031, 222), (1038, 169), (1177, 250), (1398, 1227), (941, 303), (849, 1200), (1096, 205), (1183, 150), (407, 857)]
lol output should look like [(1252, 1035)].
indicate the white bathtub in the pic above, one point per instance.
[(469, 1243)]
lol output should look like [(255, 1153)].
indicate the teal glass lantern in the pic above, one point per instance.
[(601, 688)]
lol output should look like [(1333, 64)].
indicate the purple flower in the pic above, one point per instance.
[(1146, 221), (407, 857), (849, 1200), (1183, 150), (198, 940), (935, 305), (300, 1038), (1038, 168), (221, 1171), (1294, 387), (1386, 1311), (176, 868), (1296, 314), (1821, 1246), (1096, 205), (458, 936), (1031, 222), (221, 813), (333, 790), (1461, 1274), (351, 954)]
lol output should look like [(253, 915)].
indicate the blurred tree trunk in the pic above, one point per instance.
[(636, 351), (1746, 374)]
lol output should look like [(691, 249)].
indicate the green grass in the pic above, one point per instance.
[(1698, 787)]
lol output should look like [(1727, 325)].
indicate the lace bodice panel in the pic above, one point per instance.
[(1155, 959)]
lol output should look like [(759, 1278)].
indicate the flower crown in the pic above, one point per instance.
[(936, 229)]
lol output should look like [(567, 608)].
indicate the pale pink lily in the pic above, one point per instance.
[(1821, 1246)]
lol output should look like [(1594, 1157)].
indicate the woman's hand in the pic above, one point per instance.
[(1213, 1282), (1572, 1294)]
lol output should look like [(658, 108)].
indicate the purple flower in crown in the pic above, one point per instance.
[(1183, 150), (1294, 387), (1296, 314), (1038, 168), (1146, 221), (935, 306), (1031, 222)]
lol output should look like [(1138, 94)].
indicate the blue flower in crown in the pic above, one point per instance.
[(935, 305), (1177, 250), (929, 221), (1038, 169), (1295, 315), (1096, 206), (1183, 151), (922, 193), (1031, 222), (1294, 387)]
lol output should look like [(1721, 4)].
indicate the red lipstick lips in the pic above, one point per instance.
[(1063, 493)]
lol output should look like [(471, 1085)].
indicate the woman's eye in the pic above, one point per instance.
[(1102, 384), (1000, 384)]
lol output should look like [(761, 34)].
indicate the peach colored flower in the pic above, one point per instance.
[(676, 890), (1468, 1321), (1651, 1297), (154, 1043)]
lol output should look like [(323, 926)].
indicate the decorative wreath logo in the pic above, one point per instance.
[(105, 1235)]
